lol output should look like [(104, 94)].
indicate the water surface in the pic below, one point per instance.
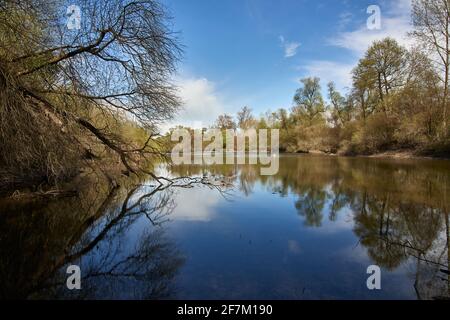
[(309, 232)]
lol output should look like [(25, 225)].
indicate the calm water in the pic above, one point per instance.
[(310, 232)]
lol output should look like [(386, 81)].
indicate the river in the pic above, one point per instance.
[(308, 232)]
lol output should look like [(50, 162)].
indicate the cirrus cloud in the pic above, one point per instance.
[(290, 47)]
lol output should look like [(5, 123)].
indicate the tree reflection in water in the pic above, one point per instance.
[(38, 243), (400, 209)]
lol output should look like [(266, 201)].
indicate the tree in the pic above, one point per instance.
[(340, 107), (308, 101), (283, 118), (245, 118), (431, 19), (419, 102), (382, 68), (388, 59), (70, 88), (363, 91), (262, 124), (225, 122)]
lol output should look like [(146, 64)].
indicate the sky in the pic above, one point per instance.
[(254, 52)]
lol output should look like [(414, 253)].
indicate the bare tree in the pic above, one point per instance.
[(245, 118), (225, 121), (117, 66), (431, 20)]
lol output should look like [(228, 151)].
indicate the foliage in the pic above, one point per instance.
[(70, 96), (395, 103)]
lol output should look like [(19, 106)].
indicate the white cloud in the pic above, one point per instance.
[(395, 23), (201, 103), (290, 48), (339, 73), (195, 205)]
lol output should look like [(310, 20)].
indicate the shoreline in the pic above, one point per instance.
[(394, 154)]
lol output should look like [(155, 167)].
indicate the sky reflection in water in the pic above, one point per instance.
[(310, 232)]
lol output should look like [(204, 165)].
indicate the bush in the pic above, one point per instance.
[(378, 133)]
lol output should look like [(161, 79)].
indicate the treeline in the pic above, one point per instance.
[(398, 100)]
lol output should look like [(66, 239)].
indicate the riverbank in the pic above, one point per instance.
[(403, 154), (391, 154)]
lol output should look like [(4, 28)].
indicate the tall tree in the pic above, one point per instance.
[(340, 107), (431, 20), (245, 118), (384, 65), (309, 102), (364, 89)]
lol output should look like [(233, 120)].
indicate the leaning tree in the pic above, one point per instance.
[(62, 80)]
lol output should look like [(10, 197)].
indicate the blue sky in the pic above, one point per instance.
[(253, 52)]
